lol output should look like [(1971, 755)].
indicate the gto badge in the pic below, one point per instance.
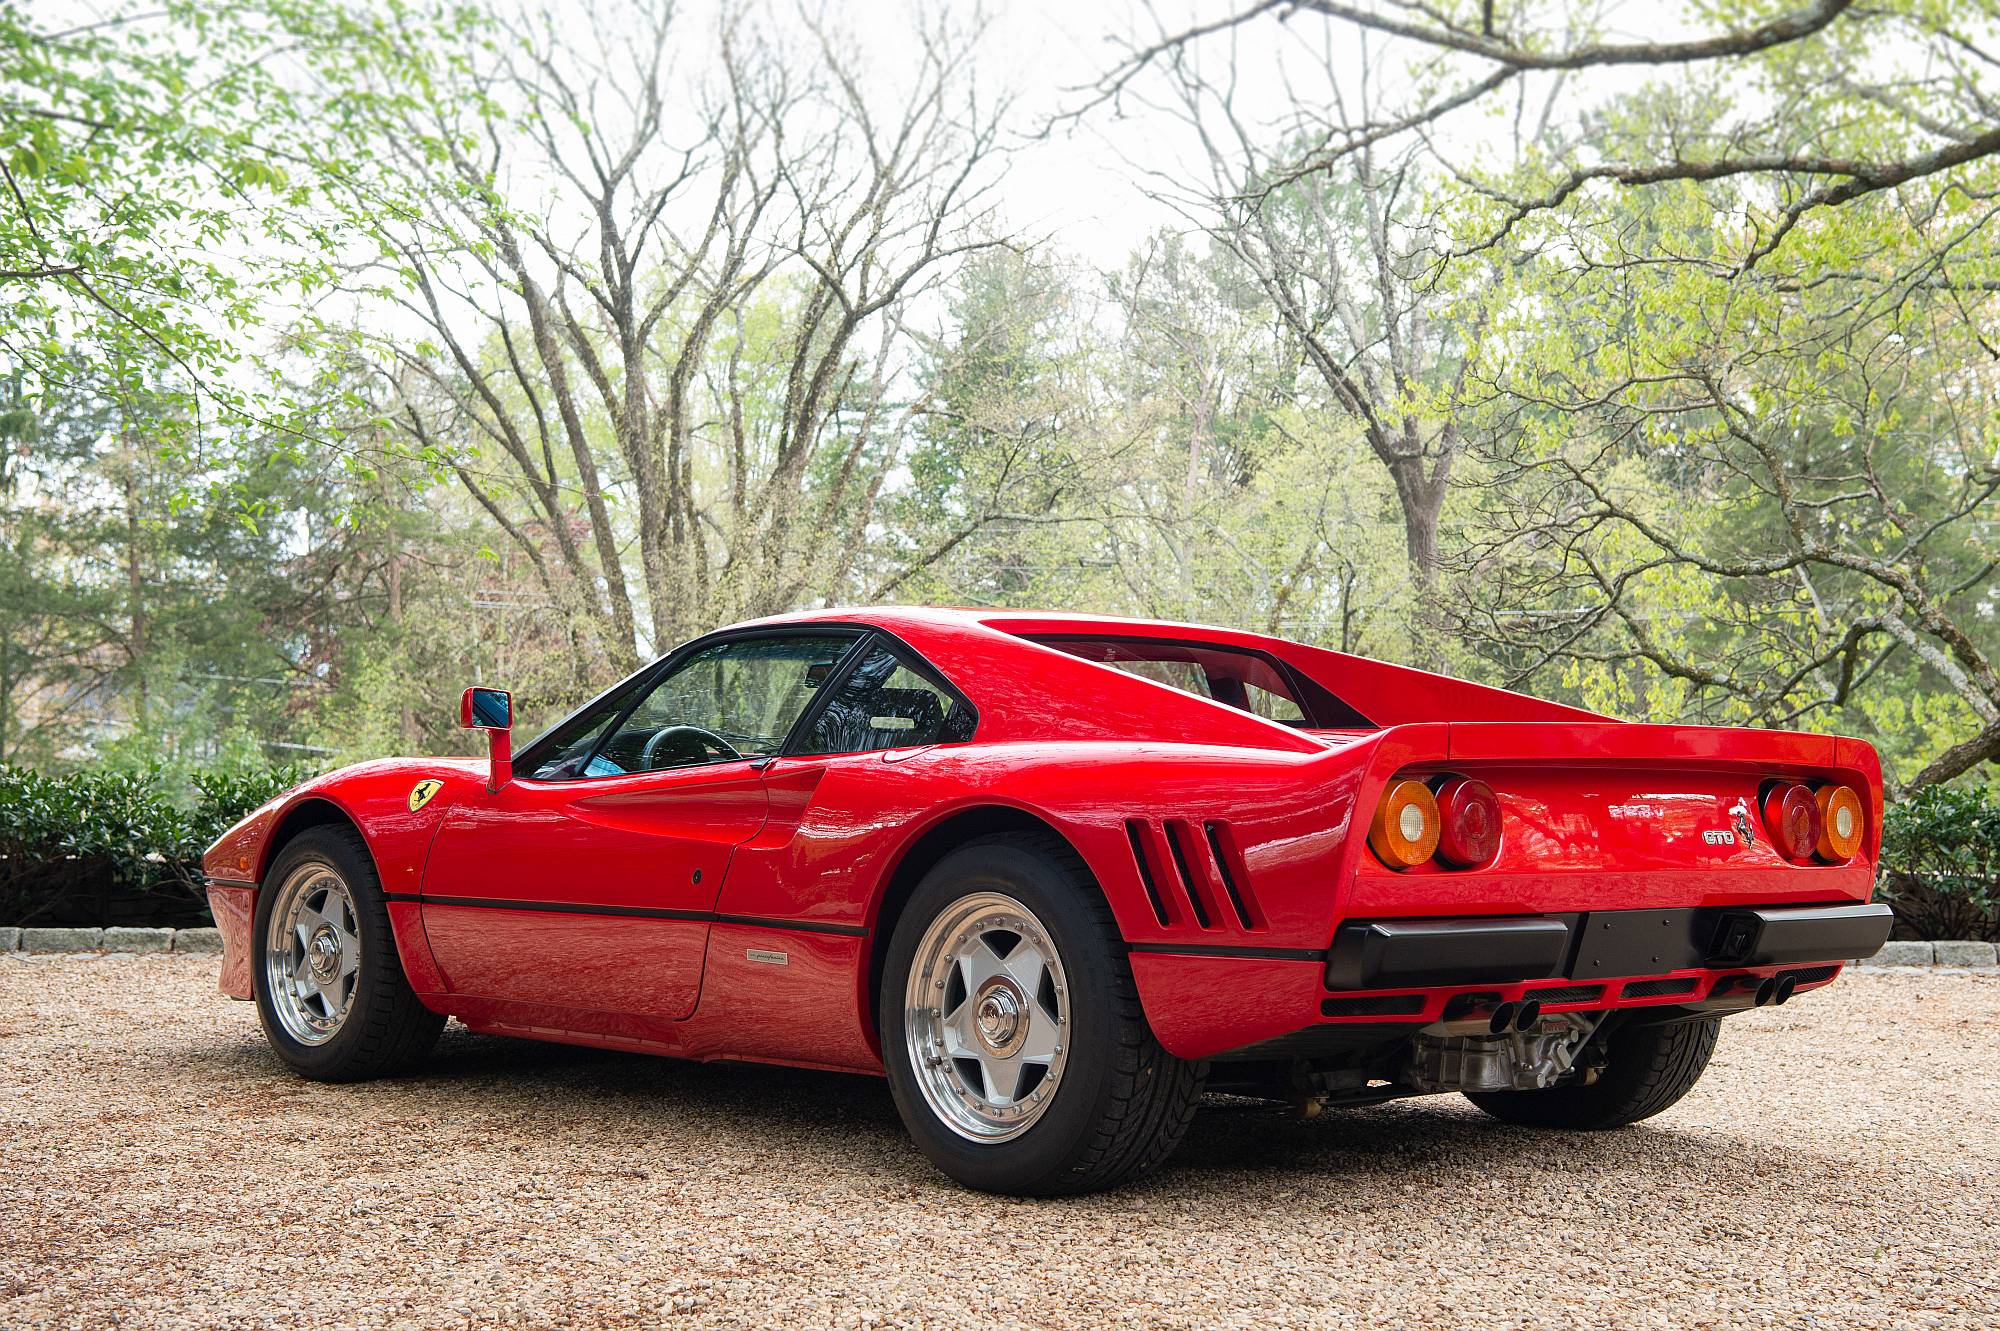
[(421, 794)]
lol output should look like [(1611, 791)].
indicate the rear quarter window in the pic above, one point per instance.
[(1250, 681)]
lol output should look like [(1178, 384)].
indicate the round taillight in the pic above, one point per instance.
[(1468, 823), (1791, 814), (1405, 830), (1840, 824)]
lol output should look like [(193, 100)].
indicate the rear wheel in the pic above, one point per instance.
[(1647, 1069), (330, 989), (1016, 1049)]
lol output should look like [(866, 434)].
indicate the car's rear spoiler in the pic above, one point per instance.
[(1620, 743), (1627, 742)]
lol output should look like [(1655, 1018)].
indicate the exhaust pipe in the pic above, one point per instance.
[(1786, 984), (1767, 992), (1530, 1012), (1503, 1017)]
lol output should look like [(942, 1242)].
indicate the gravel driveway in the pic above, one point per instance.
[(1839, 1166)]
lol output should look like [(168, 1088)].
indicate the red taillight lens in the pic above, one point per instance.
[(1791, 815), (1469, 818), (1841, 824)]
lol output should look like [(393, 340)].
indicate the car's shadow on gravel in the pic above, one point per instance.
[(850, 1121)]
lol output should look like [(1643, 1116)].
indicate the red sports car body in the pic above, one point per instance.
[(1320, 877)]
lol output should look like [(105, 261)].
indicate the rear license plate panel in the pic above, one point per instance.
[(1616, 943)]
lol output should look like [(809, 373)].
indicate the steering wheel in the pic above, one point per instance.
[(706, 744)]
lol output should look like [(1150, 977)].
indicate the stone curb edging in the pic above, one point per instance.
[(1950, 952), (202, 942), (1960, 953)]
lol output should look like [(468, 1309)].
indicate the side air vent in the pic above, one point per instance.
[(1178, 834), (1229, 868), (1193, 873), (1135, 831)]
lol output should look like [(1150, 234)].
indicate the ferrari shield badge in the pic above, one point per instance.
[(421, 795)]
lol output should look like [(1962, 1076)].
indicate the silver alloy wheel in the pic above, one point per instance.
[(312, 953), (986, 1017)]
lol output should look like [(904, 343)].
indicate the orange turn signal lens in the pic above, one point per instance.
[(1841, 823), (1406, 826)]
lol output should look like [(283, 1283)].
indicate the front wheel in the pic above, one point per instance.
[(330, 989), (1017, 1052), (1647, 1069)]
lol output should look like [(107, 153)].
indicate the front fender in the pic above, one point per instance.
[(375, 798)]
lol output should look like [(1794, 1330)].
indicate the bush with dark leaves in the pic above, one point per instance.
[(118, 847), (1941, 863)]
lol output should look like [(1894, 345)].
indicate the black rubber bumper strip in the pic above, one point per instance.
[(1781, 935), (1384, 954), (631, 912)]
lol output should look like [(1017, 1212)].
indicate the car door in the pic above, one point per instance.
[(885, 706), (589, 881)]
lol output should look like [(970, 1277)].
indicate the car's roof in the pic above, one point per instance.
[(1026, 623), (1385, 693)]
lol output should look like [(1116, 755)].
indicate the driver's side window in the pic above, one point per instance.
[(735, 699)]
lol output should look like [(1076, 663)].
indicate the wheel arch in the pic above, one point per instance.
[(921, 855), (301, 816)]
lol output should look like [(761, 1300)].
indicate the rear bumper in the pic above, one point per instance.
[(1598, 945), (1390, 974)]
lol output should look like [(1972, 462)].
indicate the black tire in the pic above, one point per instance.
[(1647, 1068), (1123, 1103), (386, 1028)]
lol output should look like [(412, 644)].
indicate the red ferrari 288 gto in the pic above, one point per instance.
[(1056, 875)]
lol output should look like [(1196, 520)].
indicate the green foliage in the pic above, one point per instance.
[(1680, 489), (172, 172), (1941, 862), (76, 845)]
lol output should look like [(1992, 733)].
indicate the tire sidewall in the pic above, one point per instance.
[(339, 854), (1066, 1129)]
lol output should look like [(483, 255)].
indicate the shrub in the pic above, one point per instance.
[(1940, 862), (118, 847)]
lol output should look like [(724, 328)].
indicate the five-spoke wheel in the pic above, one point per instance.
[(1016, 1048), (312, 953), (329, 985), (987, 1017)]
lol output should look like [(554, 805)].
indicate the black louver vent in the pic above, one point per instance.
[(1659, 988)]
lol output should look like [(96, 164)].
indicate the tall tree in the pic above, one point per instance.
[(664, 289), (1758, 497)]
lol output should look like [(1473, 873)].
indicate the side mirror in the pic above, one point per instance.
[(491, 710)]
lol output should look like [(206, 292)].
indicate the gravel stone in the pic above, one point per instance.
[(10, 938), (1838, 1166), (1903, 954), (124, 939), (61, 940), (1963, 953), (204, 942)]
